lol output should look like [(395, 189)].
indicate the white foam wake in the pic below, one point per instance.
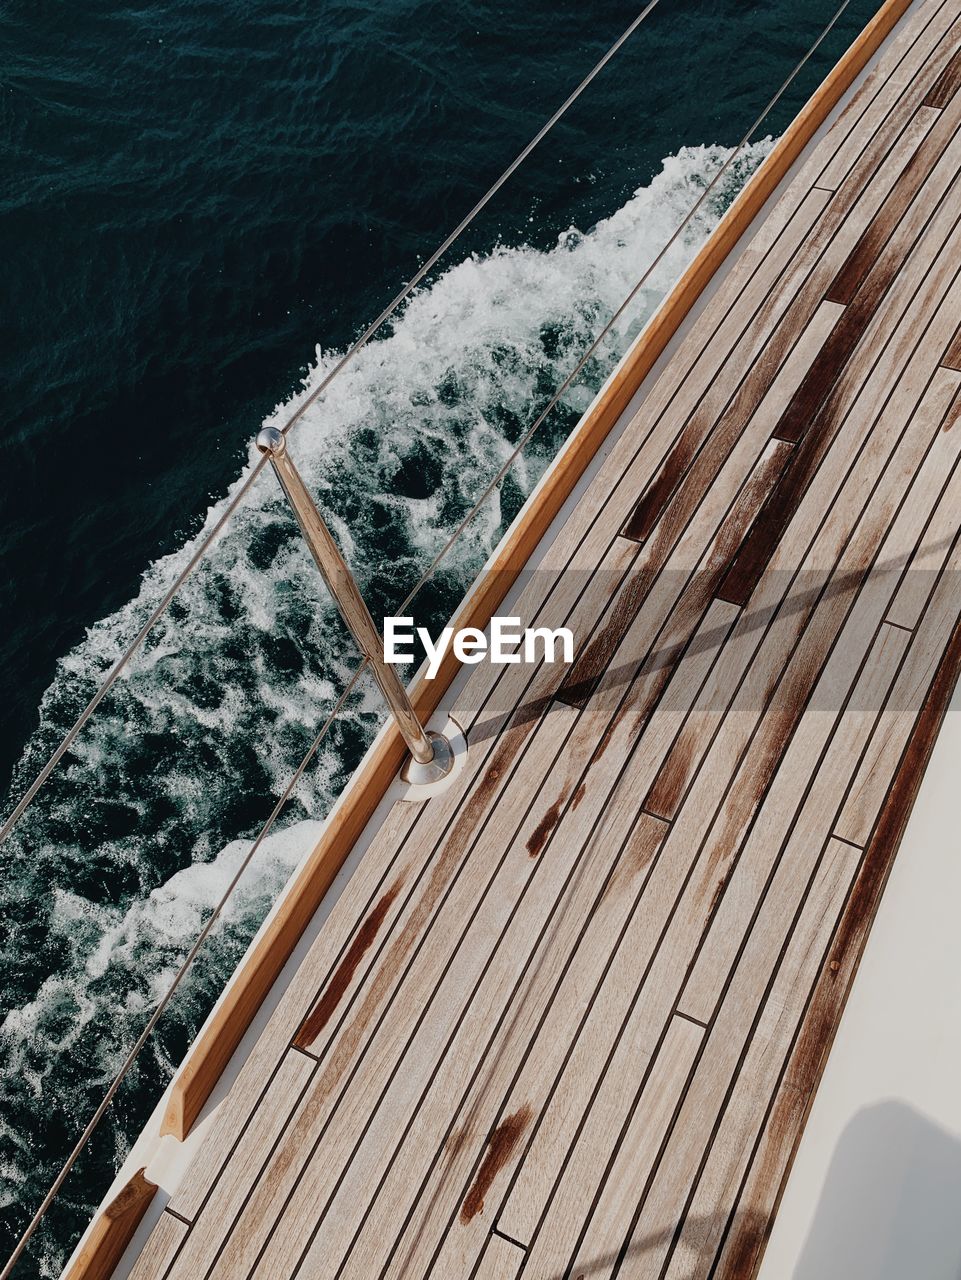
[(114, 868)]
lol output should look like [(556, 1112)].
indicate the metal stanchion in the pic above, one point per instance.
[(431, 753)]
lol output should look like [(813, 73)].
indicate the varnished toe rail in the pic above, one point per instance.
[(112, 1230), (274, 944)]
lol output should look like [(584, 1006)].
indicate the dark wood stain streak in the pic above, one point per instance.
[(455, 1143), (726, 425), (642, 848), (589, 666), (756, 491), (671, 781), (946, 85), (741, 579), (866, 256), (821, 378), (362, 942), (785, 702), (749, 1236), (819, 385), (953, 413), (500, 1147), (666, 791), (389, 969), (767, 751), (861, 285), (538, 837), (578, 796), (584, 676), (806, 1065), (608, 735), (765, 367), (717, 895), (640, 524), (587, 670)]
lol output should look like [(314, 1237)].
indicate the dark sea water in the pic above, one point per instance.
[(201, 204)]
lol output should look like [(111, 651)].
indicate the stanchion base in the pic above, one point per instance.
[(421, 775)]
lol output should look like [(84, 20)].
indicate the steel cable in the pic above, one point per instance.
[(125, 659), (424, 579)]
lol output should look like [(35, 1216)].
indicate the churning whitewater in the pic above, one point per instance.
[(111, 873)]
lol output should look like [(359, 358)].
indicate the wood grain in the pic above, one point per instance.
[(112, 1230), (552, 1026), (259, 969)]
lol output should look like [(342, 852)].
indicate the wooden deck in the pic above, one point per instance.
[(567, 1018)]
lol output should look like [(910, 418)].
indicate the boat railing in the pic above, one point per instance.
[(429, 752)]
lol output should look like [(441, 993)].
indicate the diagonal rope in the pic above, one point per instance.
[(178, 977), (125, 659), (352, 683), (582, 362), (439, 252)]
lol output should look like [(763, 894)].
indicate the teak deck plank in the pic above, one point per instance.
[(611, 1159), (568, 1016), (165, 1239), (925, 49), (501, 1261)]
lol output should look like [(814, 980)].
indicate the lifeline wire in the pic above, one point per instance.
[(428, 574), (168, 995), (118, 668)]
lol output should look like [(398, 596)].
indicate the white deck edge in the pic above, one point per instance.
[(875, 1189)]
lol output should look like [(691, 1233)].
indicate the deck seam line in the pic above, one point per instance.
[(878, 413), (831, 834), (679, 1013), (484, 704), (496, 1231), (880, 409), (841, 839)]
